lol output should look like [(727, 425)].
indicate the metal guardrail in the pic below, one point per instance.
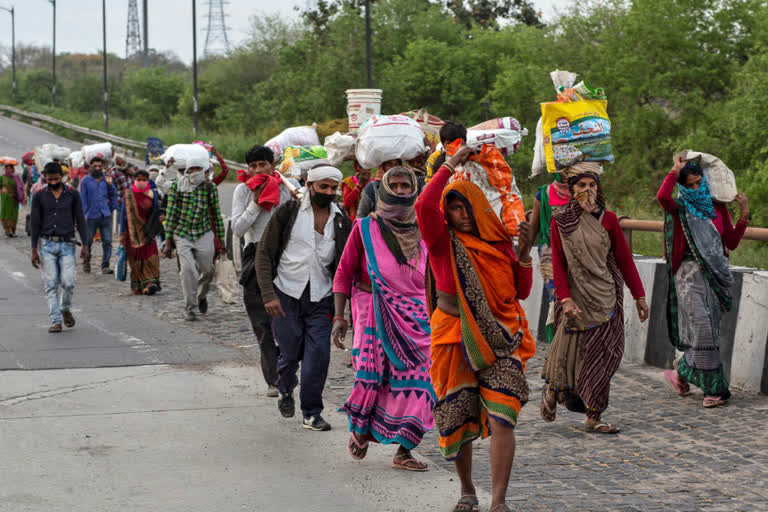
[(656, 226), (89, 132)]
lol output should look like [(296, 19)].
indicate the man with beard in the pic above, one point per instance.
[(256, 198), (56, 213), (296, 260), (99, 199)]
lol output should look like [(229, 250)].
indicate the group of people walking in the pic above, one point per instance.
[(434, 283)]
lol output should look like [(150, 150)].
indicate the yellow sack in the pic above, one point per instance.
[(579, 131)]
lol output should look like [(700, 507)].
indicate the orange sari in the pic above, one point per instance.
[(478, 358)]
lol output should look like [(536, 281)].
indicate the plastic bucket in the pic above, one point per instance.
[(362, 104)]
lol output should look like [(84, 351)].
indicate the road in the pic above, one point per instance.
[(135, 409)]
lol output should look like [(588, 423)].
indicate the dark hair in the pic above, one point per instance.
[(97, 158), (690, 169), (259, 153), (52, 168), (451, 131), (141, 172)]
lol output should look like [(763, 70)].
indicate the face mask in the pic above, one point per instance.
[(97, 173), (587, 200), (140, 186), (322, 200), (56, 186), (196, 178), (153, 175)]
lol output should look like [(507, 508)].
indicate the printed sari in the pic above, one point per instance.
[(478, 358), (392, 398), (697, 296), (142, 253)]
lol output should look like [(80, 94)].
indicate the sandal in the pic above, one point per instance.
[(357, 450), (548, 403), (713, 401), (410, 464), (500, 508), (602, 428), (677, 385), (467, 504)]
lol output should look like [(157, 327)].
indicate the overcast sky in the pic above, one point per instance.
[(78, 22)]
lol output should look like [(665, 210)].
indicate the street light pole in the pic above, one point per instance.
[(194, 63), (104, 36), (368, 72), (12, 10), (146, 35), (53, 89)]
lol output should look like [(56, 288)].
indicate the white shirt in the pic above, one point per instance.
[(306, 258), (249, 220)]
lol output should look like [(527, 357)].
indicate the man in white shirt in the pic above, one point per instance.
[(249, 219), (295, 263)]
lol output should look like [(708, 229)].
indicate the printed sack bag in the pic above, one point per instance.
[(121, 269), (579, 131)]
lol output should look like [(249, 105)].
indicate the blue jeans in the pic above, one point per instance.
[(304, 337), (104, 225), (58, 267)]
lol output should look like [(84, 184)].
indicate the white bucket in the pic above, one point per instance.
[(362, 104)]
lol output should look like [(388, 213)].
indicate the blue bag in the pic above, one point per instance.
[(121, 270)]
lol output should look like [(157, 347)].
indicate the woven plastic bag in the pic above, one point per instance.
[(227, 281), (121, 269), (722, 182), (579, 131), (490, 171)]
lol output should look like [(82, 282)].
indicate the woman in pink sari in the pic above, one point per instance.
[(139, 201), (392, 398)]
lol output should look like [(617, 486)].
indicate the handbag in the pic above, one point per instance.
[(121, 269)]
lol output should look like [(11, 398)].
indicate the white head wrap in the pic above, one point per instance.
[(324, 172), (198, 161)]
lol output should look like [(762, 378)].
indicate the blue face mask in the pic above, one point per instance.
[(698, 202)]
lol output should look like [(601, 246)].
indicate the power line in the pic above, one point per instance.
[(133, 31), (216, 40)]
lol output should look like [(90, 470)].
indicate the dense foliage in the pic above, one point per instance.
[(678, 73)]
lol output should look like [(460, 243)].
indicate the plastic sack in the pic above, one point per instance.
[(490, 171), (102, 149), (722, 182), (153, 151), (504, 133), (48, 153), (575, 132), (76, 159), (384, 138), (539, 164), (227, 281), (429, 124), (299, 159), (121, 268), (183, 154), (296, 136), (340, 147)]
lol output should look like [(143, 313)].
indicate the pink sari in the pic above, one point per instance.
[(392, 398)]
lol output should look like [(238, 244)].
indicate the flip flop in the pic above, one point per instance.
[(602, 428), (415, 465), (467, 504), (673, 381), (713, 401), (361, 447)]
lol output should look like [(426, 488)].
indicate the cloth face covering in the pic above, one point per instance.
[(587, 200), (136, 188), (190, 182), (698, 202), (97, 174), (396, 217)]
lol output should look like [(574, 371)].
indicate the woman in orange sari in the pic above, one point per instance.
[(139, 202), (480, 336)]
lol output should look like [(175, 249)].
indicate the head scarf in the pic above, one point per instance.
[(698, 202), (324, 172), (488, 226), (396, 217), (123, 158), (595, 168), (568, 219)]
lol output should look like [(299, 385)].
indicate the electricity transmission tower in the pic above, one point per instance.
[(216, 40), (133, 31)]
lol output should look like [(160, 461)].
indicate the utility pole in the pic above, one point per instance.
[(53, 88), (368, 72), (104, 36), (12, 10), (146, 34), (194, 62)]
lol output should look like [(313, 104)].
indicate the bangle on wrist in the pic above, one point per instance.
[(564, 300), (449, 166), (340, 318), (525, 264)]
